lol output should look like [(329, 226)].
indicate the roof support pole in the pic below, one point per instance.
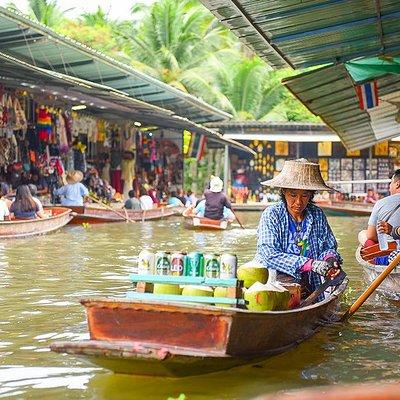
[(379, 24), (227, 170), (370, 163)]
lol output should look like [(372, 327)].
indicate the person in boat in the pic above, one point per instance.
[(386, 210), (74, 192), (372, 197), (132, 203), (33, 190), (39, 181), (4, 192), (174, 200), (201, 206), (190, 199), (215, 200), (24, 206), (146, 202), (4, 211), (294, 236)]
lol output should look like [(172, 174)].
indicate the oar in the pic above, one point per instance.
[(378, 280), (237, 219), (127, 219)]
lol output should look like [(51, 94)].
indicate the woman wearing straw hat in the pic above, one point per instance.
[(73, 193), (215, 200), (294, 237)]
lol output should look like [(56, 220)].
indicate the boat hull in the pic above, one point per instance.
[(201, 223), (390, 287), (345, 208), (22, 228), (206, 338)]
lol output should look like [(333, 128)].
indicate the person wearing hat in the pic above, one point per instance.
[(215, 200), (74, 191), (294, 237)]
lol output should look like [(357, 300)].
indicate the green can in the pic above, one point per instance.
[(194, 264), (212, 266)]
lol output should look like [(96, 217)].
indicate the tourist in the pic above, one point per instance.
[(294, 237), (173, 200), (132, 203), (24, 206), (4, 191), (383, 210), (372, 197), (33, 190), (181, 196), (146, 202), (39, 181), (4, 212), (216, 200), (201, 206), (190, 199), (73, 193)]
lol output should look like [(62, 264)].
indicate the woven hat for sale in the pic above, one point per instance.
[(299, 174), (74, 176)]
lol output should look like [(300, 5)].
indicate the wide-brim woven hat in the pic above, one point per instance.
[(216, 184), (74, 176), (299, 174)]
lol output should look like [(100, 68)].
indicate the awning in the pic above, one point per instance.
[(39, 45), (99, 99), (329, 93), (313, 32)]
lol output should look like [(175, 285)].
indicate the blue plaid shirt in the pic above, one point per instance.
[(273, 241)]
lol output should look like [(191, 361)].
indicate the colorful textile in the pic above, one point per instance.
[(197, 146), (367, 94), (275, 248)]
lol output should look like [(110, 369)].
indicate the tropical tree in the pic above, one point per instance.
[(47, 12)]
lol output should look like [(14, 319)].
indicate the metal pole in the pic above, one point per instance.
[(226, 169), (370, 163), (297, 150)]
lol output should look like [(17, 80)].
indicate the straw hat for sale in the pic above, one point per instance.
[(299, 174), (74, 176), (216, 184)]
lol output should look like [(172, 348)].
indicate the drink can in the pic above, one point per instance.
[(146, 262), (228, 266), (163, 263), (178, 261), (211, 266), (194, 264)]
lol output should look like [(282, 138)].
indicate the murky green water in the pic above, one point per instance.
[(42, 279)]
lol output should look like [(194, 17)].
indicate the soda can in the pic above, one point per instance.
[(211, 266), (178, 261), (146, 262), (228, 266), (194, 264), (163, 263)]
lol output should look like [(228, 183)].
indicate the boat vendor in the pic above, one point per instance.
[(73, 193), (216, 200), (294, 237), (384, 210)]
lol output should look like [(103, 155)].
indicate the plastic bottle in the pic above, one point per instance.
[(383, 241)]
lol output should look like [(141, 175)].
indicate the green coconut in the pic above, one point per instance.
[(282, 296), (260, 297), (166, 288), (252, 272), (220, 291), (192, 290)]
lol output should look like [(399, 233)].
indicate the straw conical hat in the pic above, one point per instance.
[(299, 174), (74, 176)]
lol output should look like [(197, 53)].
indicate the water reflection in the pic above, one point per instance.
[(42, 280)]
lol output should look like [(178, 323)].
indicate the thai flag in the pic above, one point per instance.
[(197, 146), (367, 94)]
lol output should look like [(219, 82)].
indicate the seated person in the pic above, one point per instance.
[(190, 199), (4, 212), (132, 203), (24, 206), (39, 181), (146, 202), (215, 200), (73, 192), (372, 197), (174, 200), (4, 191), (201, 206), (33, 190)]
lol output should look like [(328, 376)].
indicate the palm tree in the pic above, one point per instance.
[(47, 12), (97, 18)]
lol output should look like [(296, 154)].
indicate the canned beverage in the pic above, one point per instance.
[(228, 266), (146, 263), (178, 263), (211, 266), (163, 263), (194, 264)]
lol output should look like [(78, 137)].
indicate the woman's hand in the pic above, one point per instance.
[(384, 227)]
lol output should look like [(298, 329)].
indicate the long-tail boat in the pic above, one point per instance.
[(165, 337), (345, 208), (390, 287), (58, 217), (200, 223)]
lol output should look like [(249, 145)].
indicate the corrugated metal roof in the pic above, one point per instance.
[(329, 93), (313, 32), (39, 45), (100, 99)]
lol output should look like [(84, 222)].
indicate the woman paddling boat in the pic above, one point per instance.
[(294, 236)]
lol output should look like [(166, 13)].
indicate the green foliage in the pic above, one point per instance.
[(47, 12)]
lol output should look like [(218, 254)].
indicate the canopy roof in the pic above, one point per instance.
[(100, 100), (39, 45), (329, 93), (313, 32)]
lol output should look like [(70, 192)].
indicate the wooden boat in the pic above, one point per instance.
[(345, 208), (145, 337), (390, 287), (96, 214), (194, 222), (59, 216)]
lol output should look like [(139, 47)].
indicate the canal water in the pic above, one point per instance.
[(43, 278)]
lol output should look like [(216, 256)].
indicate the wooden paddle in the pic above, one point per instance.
[(237, 219), (379, 279), (127, 219)]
